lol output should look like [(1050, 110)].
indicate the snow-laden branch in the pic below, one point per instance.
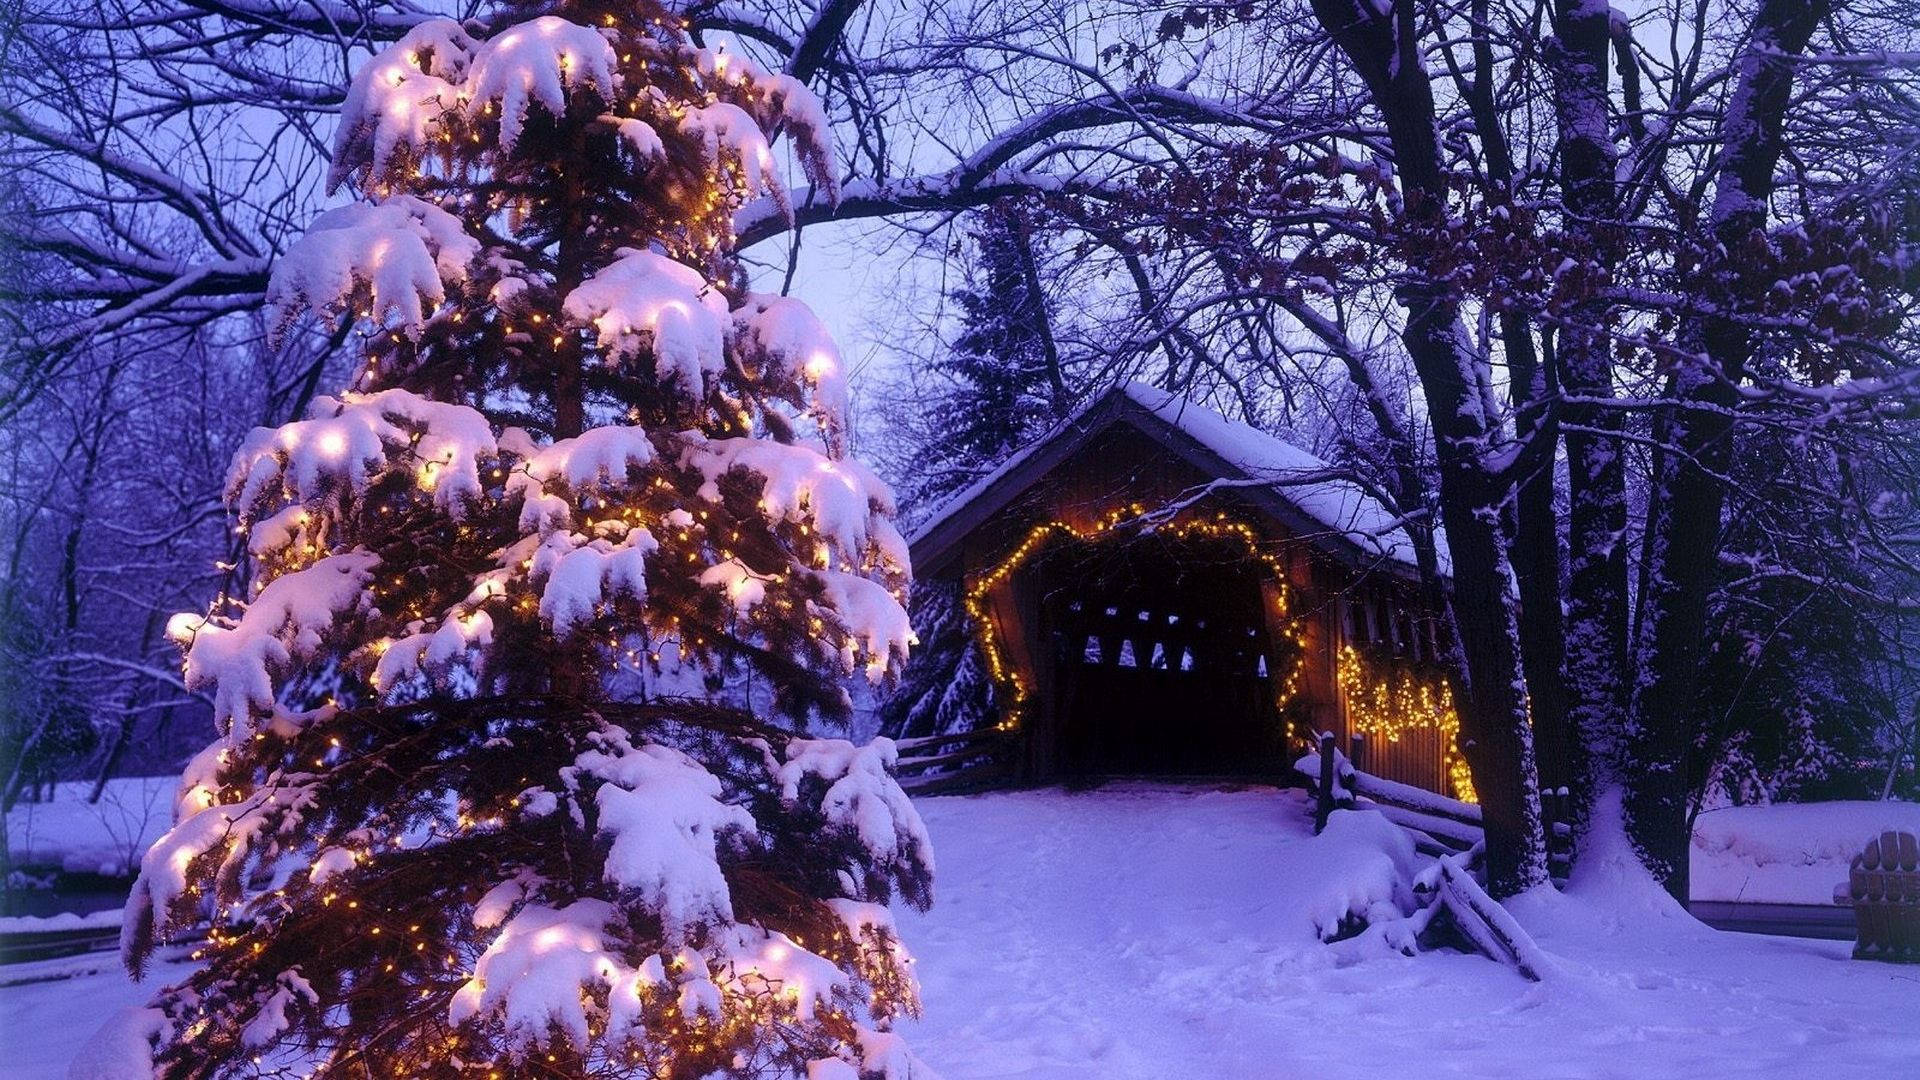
[(987, 173)]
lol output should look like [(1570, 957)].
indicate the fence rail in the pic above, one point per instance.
[(963, 761)]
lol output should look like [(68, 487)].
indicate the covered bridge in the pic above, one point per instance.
[(1157, 590)]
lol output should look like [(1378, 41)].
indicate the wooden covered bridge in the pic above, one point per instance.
[(1157, 590)]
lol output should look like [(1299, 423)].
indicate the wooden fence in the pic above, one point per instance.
[(1439, 824)]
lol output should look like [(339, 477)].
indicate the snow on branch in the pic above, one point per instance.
[(576, 574), (841, 500), (387, 262), (862, 797), (538, 62), (397, 99), (645, 300), (667, 822), (878, 632), (309, 465), (288, 621), (986, 174), (779, 341), (535, 975)]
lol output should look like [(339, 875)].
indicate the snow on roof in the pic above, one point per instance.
[(1296, 475)]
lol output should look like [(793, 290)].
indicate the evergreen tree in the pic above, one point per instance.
[(1793, 700), (947, 688), (578, 447), (999, 387), (1000, 383)]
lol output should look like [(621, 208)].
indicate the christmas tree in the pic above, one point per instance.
[(448, 829)]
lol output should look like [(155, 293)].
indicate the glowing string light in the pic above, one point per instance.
[(1398, 704), (1013, 688)]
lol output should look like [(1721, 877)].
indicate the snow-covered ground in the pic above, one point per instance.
[(1150, 931), (1792, 853), (105, 837)]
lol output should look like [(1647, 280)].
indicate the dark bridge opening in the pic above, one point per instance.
[(1162, 658)]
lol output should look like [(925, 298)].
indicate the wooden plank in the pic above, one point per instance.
[(1481, 919), (1406, 796), (906, 746), (967, 754), (1457, 836)]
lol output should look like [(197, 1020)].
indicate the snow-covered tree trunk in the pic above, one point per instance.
[(1596, 596), (1534, 540), (1686, 494), (1383, 46)]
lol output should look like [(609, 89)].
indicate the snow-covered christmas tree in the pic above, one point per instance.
[(578, 449)]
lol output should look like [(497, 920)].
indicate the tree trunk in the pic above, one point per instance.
[(1693, 435), (1559, 752), (1495, 735), (1596, 618), (1535, 531)]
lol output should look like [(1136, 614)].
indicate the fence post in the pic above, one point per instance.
[(1323, 805)]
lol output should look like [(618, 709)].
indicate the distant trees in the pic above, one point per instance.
[(1624, 259), (1002, 379)]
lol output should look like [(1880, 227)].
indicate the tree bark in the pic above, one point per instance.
[(1694, 435)]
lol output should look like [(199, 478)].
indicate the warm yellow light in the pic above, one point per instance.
[(1008, 680), (1390, 706)]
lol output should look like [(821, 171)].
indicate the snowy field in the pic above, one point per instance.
[(105, 837), (1145, 931)]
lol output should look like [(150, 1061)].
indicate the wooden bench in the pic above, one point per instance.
[(1883, 888)]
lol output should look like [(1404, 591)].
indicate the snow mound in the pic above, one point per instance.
[(1610, 876), (105, 837), (123, 1047), (1788, 853), (53, 924), (1368, 877)]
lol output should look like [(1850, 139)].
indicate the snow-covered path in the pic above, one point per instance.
[(1150, 932), (1142, 931)]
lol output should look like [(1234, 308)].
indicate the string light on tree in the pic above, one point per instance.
[(446, 831)]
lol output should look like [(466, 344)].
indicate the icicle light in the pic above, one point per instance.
[(1396, 704)]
